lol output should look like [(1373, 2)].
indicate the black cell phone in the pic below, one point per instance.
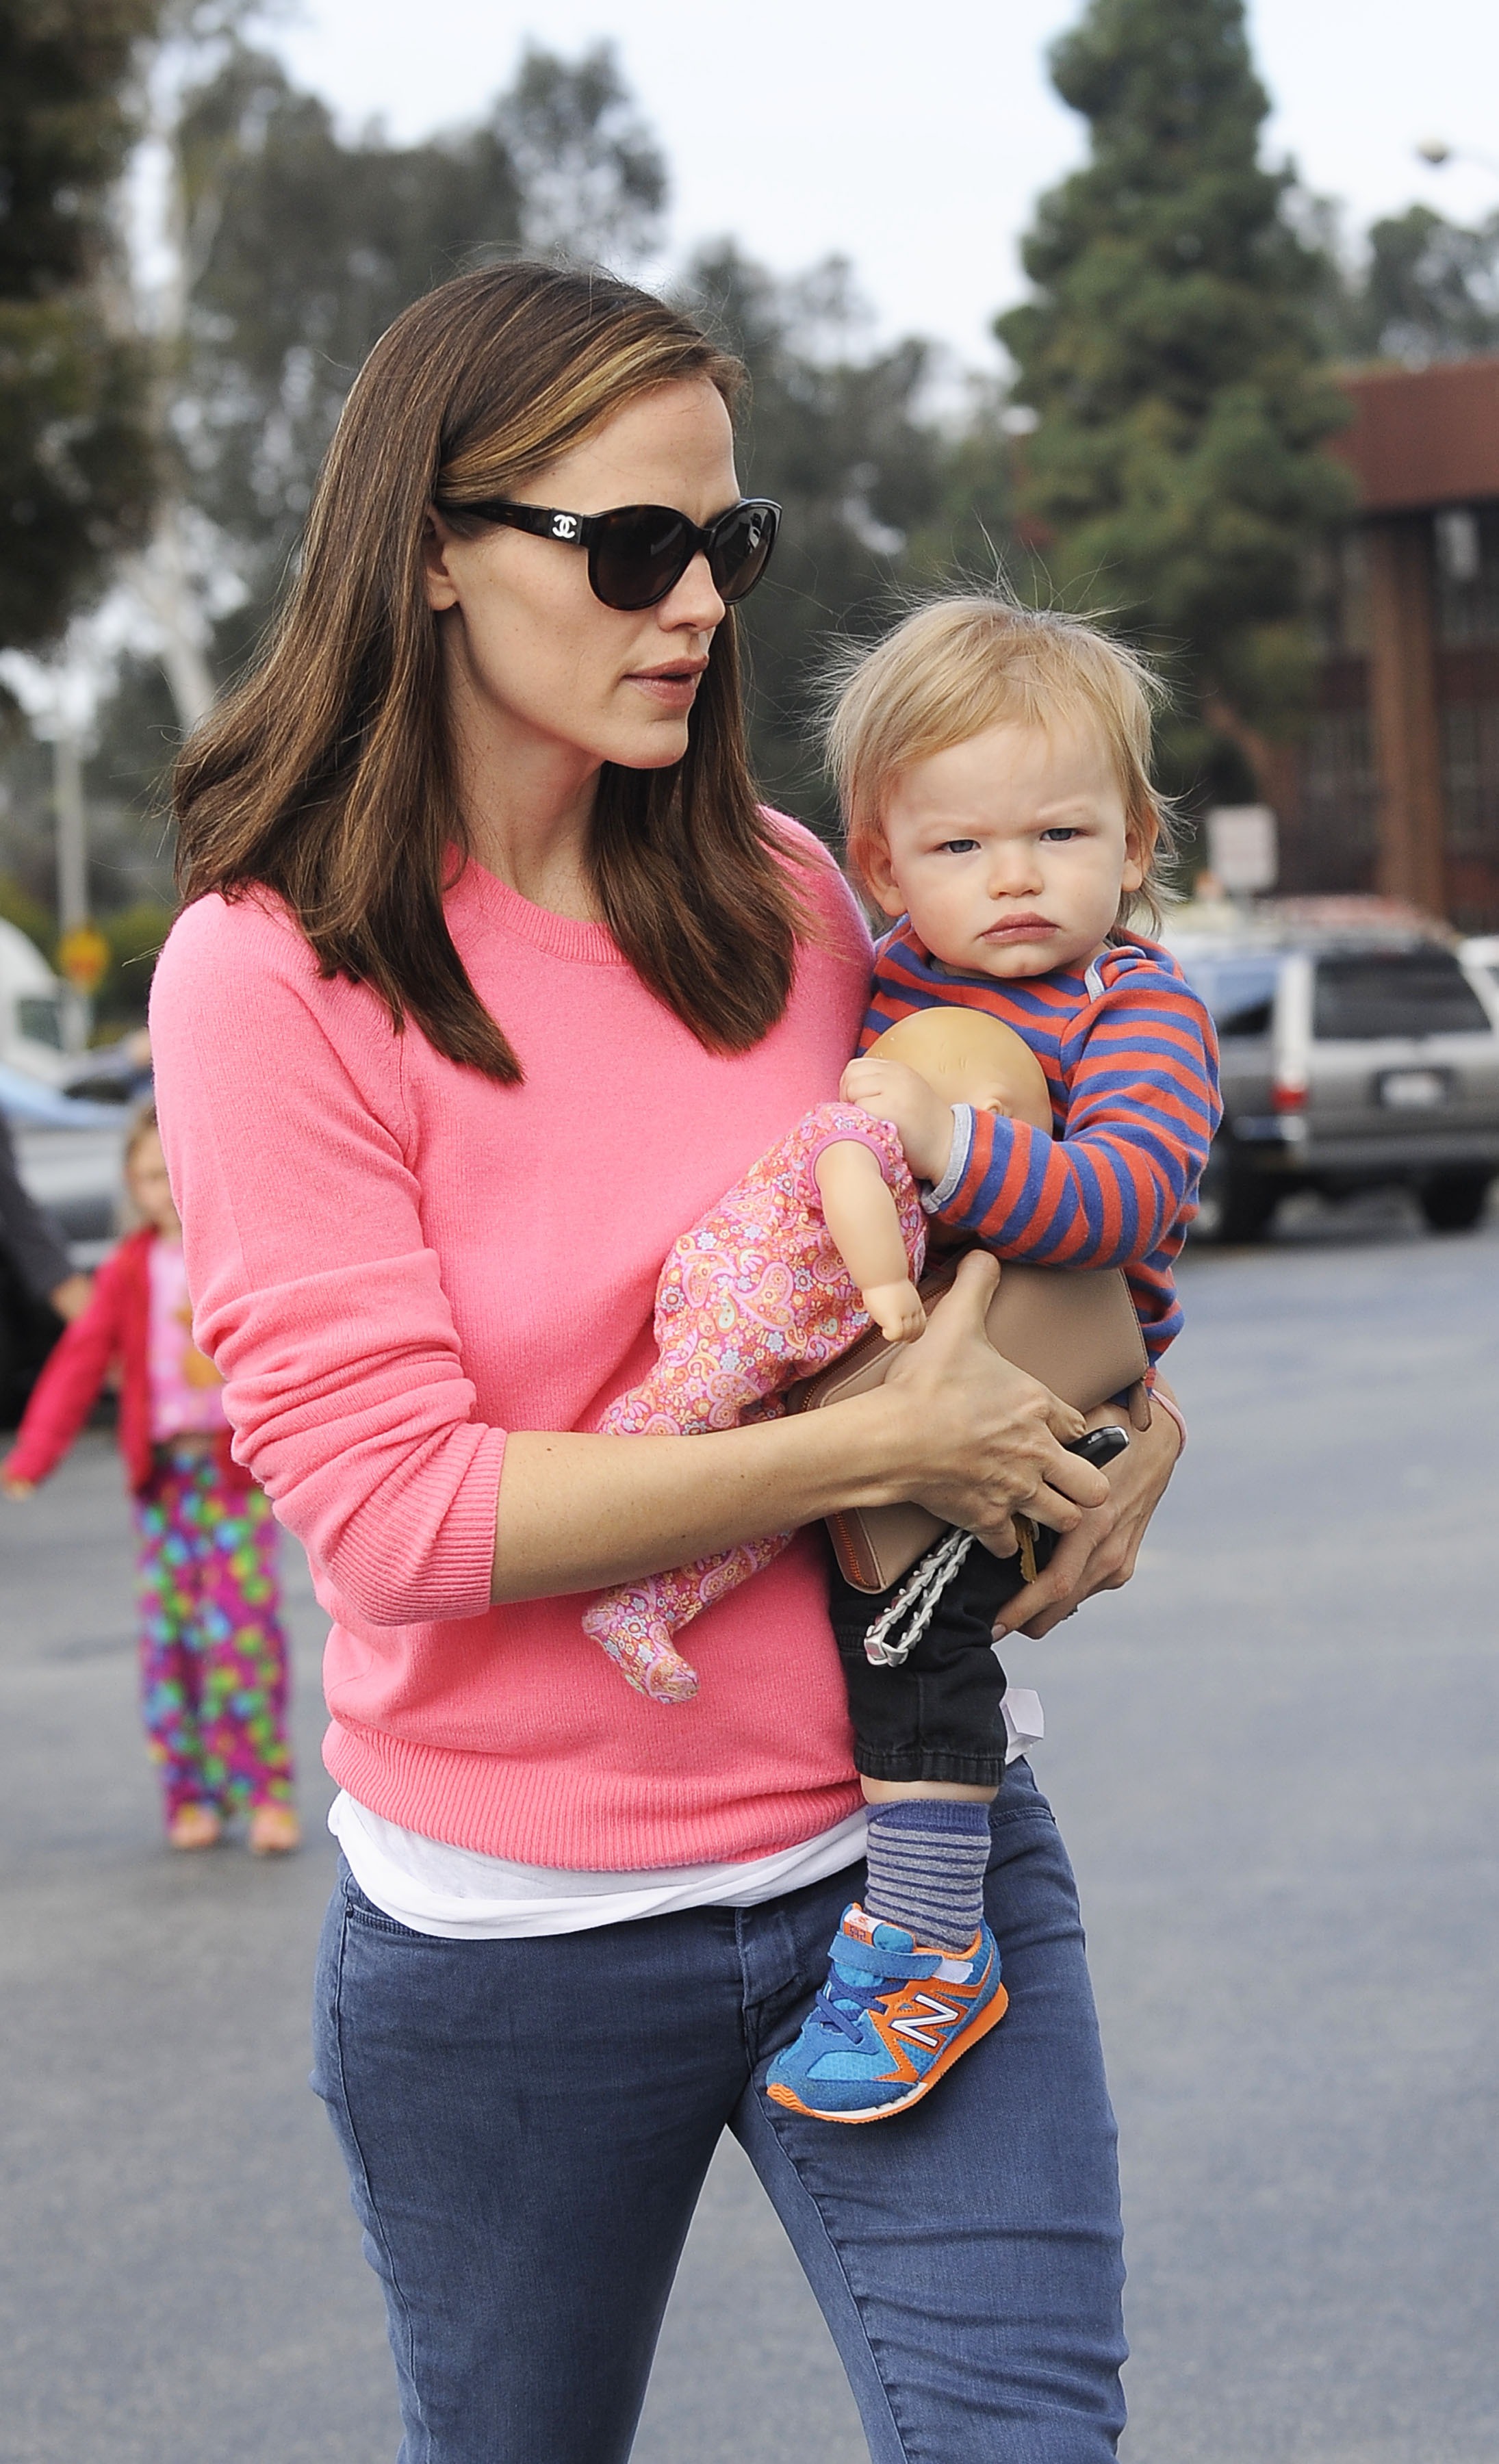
[(1100, 1447), (1038, 1540)]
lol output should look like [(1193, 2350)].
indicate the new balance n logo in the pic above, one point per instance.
[(928, 2014)]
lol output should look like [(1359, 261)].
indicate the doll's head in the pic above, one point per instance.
[(967, 1057), (993, 764)]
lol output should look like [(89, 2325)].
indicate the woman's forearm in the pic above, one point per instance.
[(954, 1427), (575, 1512)]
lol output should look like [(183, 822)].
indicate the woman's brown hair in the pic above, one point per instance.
[(326, 776)]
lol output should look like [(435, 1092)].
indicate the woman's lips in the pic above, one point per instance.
[(672, 687)]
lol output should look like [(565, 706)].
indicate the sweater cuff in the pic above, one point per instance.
[(942, 1192)]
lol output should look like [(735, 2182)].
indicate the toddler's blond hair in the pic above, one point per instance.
[(961, 665)]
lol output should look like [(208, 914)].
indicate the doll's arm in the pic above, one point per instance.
[(859, 1208)]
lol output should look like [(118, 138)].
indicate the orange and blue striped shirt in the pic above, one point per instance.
[(1131, 1060)]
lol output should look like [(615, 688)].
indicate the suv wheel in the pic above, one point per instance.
[(1454, 1201), (1232, 1206)]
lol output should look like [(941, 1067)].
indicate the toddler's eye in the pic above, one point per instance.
[(958, 846), (1056, 837)]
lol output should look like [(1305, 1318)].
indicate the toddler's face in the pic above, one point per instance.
[(1009, 852), (145, 1177)]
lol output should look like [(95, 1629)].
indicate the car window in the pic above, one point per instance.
[(1394, 992), (1239, 991), (39, 1016)]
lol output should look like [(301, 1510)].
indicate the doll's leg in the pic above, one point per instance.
[(635, 1622), (695, 1387)]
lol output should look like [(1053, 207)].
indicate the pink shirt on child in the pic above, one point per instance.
[(396, 1260), (186, 1389)]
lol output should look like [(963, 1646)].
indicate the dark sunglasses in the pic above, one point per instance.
[(638, 553)]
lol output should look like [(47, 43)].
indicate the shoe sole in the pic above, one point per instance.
[(989, 2016)]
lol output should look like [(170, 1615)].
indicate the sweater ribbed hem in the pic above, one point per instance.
[(590, 1821)]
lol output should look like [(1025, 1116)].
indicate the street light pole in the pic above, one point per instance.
[(71, 829)]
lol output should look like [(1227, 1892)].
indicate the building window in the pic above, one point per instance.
[(1337, 830), (1467, 562), (1470, 777), (1338, 596)]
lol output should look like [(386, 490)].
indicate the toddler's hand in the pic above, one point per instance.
[(891, 1092), (896, 1311)]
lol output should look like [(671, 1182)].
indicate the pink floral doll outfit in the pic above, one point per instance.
[(755, 1296)]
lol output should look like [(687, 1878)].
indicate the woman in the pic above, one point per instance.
[(493, 976)]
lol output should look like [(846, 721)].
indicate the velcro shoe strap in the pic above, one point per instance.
[(849, 1952)]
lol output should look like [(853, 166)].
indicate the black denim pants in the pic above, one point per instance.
[(935, 1716)]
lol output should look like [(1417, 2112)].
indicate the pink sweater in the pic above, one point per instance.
[(394, 1261)]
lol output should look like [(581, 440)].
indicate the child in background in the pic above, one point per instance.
[(214, 1667)]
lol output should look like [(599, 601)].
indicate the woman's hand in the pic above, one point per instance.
[(1098, 1555), (992, 1439)]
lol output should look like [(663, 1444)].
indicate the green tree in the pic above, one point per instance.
[(834, 432), (75, 465), (299, 248), (286, 252), (1170, 351), (1429, 290), (590, 177), (306, 249)]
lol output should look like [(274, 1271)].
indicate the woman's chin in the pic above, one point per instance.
[(652, 748)]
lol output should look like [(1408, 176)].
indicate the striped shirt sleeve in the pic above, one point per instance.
[(1123, 1177)]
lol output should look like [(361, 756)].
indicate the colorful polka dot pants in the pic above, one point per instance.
[(213, 1649)]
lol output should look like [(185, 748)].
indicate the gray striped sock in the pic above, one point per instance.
[(927, 1861)]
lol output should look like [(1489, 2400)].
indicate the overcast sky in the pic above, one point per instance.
[(913, 135)]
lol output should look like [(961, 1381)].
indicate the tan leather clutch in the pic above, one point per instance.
[(1077, 1332)]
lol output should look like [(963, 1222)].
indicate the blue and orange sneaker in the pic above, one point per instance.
[(894, 2014)]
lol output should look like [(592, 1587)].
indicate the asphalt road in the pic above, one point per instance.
[(1275, 1762)]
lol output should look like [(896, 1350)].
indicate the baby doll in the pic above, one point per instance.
[(823, 1235)]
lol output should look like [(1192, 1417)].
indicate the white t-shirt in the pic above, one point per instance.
[(463, 1896)]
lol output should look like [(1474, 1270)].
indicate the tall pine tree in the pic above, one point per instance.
[(75, 465), (1178, 468)]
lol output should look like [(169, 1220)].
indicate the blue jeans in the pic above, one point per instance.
[(527, 2126)]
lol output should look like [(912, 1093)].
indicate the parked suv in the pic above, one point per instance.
[(1350, 1061)]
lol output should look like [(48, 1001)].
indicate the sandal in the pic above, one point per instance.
[(194, 1826), (274, 1831)]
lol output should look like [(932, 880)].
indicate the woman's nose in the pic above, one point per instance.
[(694, 600)]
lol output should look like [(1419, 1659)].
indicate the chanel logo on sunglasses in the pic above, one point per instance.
[(564, 526)]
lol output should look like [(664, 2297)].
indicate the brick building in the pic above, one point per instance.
[(1399, 783)]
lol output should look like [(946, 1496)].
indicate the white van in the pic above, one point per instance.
[(31, 1010)]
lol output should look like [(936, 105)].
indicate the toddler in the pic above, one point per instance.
[(994, 771), (994, 765), (213, 1677)]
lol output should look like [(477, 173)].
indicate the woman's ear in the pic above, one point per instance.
[(442, 591)]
